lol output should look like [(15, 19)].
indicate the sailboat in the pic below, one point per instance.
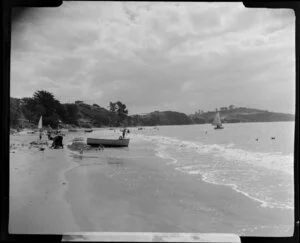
[(217, 121), (40, 126)]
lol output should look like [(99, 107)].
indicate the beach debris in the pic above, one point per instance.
[(38, 142), (42, 149), (81, 146), (78, 139)]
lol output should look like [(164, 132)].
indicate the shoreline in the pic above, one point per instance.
[(126, 196), (120, 191)]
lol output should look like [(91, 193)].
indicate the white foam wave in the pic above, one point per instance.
[(207, 177), (237, 159), (273, 161), (160, 153)]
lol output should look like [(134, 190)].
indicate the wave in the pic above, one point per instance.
[(212, 178), (234, 174), (272, 161)]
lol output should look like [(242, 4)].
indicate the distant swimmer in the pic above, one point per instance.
[(272, 137), (256, 139)]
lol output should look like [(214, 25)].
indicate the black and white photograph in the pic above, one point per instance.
[(167, 117)]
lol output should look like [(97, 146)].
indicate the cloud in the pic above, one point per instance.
[(154, 56)]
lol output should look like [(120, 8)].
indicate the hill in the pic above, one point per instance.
[(25, 112), (160, 118), (241, 114)]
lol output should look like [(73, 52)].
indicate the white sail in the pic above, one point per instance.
[(40, 125), (217, 120)]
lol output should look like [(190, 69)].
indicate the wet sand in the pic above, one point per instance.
[(118, 190), (133, 195)]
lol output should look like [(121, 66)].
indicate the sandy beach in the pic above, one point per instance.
[(124, 190), (37, 187)]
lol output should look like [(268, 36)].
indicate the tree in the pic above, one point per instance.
[(118, 112), (231, 107), (62, 112), (43, 104), (121, 110), (28, 109), (46, 100), (71, 110), (15, 112), (112, 107)]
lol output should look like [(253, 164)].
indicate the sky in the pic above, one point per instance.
[(157, 55)]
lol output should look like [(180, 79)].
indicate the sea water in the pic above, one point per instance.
[(255, 159)]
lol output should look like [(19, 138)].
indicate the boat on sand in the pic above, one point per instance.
[(124, 142)]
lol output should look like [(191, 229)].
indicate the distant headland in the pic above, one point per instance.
[(25, 113)]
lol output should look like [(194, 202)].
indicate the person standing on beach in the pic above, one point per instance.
[(124, 132)]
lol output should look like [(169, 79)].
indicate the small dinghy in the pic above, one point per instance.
[(121, 142)]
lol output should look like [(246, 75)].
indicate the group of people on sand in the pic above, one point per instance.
[(57, 139)]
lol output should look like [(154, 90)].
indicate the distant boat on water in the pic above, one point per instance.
[(217, 121)]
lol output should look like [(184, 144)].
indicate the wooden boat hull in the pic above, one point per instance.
[(88, 130), (108, 142), (219, 127)]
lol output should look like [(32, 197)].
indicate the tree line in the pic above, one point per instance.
[(43, 103)]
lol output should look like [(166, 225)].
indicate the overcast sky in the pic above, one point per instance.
[(157, 56)]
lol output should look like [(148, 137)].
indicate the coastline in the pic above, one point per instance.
[(144, 195), (121, 190)]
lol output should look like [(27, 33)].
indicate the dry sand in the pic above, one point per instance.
[(37, 186)]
